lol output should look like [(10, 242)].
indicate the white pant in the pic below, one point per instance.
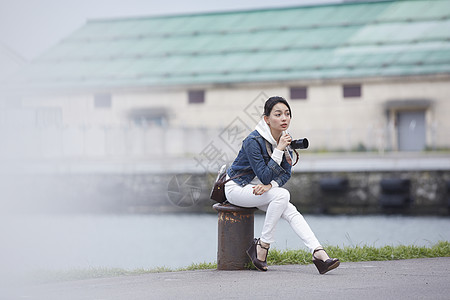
[(275, 202)]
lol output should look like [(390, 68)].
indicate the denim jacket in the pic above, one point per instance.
[(254, 156)]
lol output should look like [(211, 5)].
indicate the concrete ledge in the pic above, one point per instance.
[(309, 162)]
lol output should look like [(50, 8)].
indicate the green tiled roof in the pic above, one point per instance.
[(360, 39)]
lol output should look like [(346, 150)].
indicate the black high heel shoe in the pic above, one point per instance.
[(252, 253), (327, 265)]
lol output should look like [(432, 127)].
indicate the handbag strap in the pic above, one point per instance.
[(236, 176)]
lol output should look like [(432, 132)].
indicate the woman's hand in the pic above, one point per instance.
[(261, 188), (285, 140)]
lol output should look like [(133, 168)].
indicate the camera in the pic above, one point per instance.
[(300, 144)]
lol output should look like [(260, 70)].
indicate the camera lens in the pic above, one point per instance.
[(300, 144)]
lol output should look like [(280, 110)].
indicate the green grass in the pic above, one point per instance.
[(42, 276), (361, 253), (275, 257)]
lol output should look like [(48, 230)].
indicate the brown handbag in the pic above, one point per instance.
[(218, 190)]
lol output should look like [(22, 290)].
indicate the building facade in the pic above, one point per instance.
[(359, 76)]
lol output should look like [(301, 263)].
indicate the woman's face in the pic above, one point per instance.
[(279, 118)]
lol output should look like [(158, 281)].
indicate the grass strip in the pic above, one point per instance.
[(275, 257), (361, 253)]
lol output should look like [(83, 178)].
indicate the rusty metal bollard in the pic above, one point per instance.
[(235, 235)]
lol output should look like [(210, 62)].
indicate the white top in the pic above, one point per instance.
[(277, 155)]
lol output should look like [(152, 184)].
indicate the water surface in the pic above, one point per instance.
[(178, 240)]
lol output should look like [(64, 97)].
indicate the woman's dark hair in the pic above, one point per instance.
[(272, 101)]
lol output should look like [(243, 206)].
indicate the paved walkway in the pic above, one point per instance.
[(402, 279)]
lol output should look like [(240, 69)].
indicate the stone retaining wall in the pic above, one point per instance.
[(311, 192)]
